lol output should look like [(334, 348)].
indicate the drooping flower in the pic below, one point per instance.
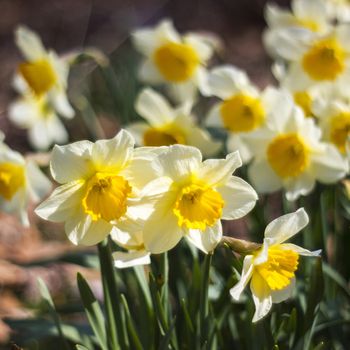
[(271, 269), (36, 114), (99, 183), (21, 181), (167, 125), (289, 154), (173, 59), (130, 237), (243, 109), (191, 197), (42, 72)]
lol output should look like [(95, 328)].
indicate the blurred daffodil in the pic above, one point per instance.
[(42, 72), (174, 59), (99, 182), (21, 181), (191, 196), (36, 114), (271, 269), (243, 109), (289, 154), (167, 125)]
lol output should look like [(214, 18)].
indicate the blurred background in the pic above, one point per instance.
[(66, 25)]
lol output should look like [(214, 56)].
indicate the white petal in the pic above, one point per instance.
[(214, 117), (202, 48), (246, 275), (299, 186), (82, 230), (287, 226), (56, 130), (179, 161), (201, 139), (39, 184), (219, 171), (310, 9), (300, 250), (149, 73), (263, 253), (128, 259), (17, 206), (145, 41), (114, 153), (235, 142), (329, 166), (161, 232), (62, 105), (62, 203), (262, 177), (239, 198), (206, 240), (225, 81), (296, 79), (201, 79), (183, 92), (29, 43), (39, 137), (71, 162), (22, 113), (281, 295), (154, 108), (261, 296)]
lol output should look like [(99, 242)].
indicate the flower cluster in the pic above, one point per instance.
[(153, 184)]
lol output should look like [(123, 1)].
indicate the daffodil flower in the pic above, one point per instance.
[(190, 197), (99, 183), (42, 72), (312, 15), (243, 108), (173, 59), (271, 269), (37, 115), (167, 125), (289, 154), (315, 59), (130, 237), (21, 181)]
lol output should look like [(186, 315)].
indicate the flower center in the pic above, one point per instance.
[(288, 155), (176, 62), (242, 113), (279, 268), (304, 101), (309, 24), (39, 75), (11, 179), (197, 207), (165, 136), (339, 130), (324, 61), (106, 196)]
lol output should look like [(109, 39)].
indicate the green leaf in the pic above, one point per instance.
[(93, 311), (81, 347), (131, 327), (47, 298)]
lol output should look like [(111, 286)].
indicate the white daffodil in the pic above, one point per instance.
[(167, 125), (289, 154), (42, 72), (243, 108), (271, 269), (191, 197), (130, 237), (314, 59), (173, 59), (306, 14), (334, 121), (21, 181), (99, 183), (36, 114)]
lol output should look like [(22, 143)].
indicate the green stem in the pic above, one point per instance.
[(114, 324), (203, 300)]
